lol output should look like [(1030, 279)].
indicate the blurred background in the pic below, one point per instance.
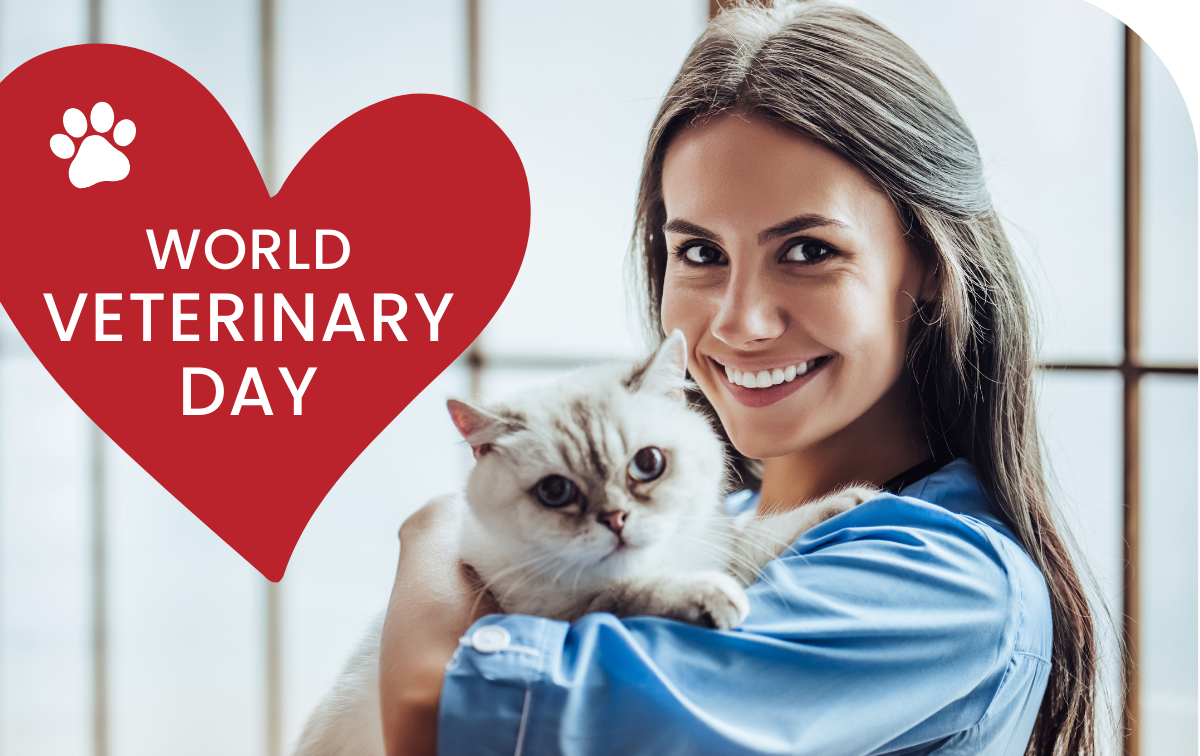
[(128, 628)]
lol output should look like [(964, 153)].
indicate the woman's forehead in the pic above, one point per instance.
[(746, 172)]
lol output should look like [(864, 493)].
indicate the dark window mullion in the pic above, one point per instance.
[(1131, 374)]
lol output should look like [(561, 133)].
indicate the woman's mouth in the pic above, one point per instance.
[(764, 387)]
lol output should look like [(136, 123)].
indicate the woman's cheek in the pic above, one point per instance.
[(855, 323), (838, 316), (871, 341), (685, 308)]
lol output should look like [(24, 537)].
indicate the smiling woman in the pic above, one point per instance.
[(909, 304)]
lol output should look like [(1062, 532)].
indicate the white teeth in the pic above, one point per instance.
[(765, 378)]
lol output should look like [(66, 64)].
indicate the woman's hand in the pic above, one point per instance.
[(434, 601)]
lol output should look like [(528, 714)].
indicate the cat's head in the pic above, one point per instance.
[(598, 475)]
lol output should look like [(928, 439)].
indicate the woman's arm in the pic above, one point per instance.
[(433, 603)]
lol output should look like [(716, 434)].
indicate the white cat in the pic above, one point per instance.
[(602, 492)]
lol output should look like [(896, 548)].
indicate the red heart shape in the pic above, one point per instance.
[(429, 193)]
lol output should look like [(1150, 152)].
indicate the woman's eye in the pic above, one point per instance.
[(555, 491), (807, 251), (647, 464), (702, 254)]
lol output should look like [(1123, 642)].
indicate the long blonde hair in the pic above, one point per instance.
[(836, 75)]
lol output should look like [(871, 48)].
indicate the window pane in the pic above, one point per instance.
[(1039, 83), (45, 617), (32, 27), (1169, 242), (575, 86), (1168, 566), (216, 41), (185, 627), (1081, 422), (341, 573), (337, 58)]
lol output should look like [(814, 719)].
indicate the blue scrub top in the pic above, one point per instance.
[(911, 624)]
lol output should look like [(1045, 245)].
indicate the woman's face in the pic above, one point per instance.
[(786, 263)]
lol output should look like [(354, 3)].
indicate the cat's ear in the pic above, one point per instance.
[(667, 371), (478, 427)]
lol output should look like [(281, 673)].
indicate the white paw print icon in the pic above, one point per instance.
[(97, 160)]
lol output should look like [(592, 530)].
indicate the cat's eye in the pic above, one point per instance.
[(807, 251), (555, 491), (648, 464)]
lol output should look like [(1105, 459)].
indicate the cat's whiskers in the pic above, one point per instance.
[(528, 565), (756, 537), (568, 563), (533, 561), (752, 571), (578, 574)]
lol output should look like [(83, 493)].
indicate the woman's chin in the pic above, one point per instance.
[(762, 440)]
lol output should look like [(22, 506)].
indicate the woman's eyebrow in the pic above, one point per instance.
[(779, 230), (681, 226), (798, 224)]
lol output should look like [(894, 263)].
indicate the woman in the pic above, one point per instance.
[(811, 205)]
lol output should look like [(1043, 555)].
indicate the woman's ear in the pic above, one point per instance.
[(931, 285), (929, 264)]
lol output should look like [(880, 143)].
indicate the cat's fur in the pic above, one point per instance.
[(675, 554)]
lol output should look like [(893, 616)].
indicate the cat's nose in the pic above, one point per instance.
[(615, 520)]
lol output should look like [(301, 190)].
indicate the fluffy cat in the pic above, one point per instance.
[(603, 492)]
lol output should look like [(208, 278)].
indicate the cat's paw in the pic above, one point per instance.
[(845, 500), (708, 599)]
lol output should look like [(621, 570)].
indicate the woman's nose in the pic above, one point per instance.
[(747, 314)]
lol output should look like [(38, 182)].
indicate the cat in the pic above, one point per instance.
[(603, 492)]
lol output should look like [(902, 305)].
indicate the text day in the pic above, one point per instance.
[(243, 399)]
